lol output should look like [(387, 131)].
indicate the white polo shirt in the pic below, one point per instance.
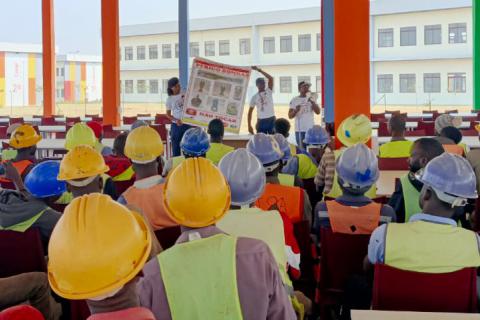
[(264, 103), (304, 119), (175, 105)]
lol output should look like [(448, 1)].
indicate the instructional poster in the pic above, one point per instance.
[(217, 91)]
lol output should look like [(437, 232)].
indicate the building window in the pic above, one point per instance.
[(194, 49), (166, 51), (153, 52), (385, 83), (128, 86), (209, 48), (457, 33), (62, 93), (141, 53), (318, 83), (385, 38), (244, 45), (164, 85), (224, 47), (304, 42), (268, 45), (286, 44), (408, 36), (408, 83), (141, 86), (285, 84), (153, 84), (319, 39), (431, 82), (58, 73), (176, 50), (62, 72), (128, 53), (433, 34), (457, 82)]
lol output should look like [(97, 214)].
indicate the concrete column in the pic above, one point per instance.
[(183, 42), (48, 58)]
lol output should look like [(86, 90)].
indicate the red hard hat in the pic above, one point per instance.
[(21, 312), (96, 128)]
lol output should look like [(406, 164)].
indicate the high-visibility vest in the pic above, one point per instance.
[(9, 154), (25, 225), (353, 220), (192, 274), (217, 151), (430, 247), (287, 200), (454, 149), (411, 197), (125, 175), (21, 166), (306, 168), (286, 179), (293, 149), (396, 149)]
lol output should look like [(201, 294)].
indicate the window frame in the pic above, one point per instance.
[(151, 86), (222, 44), (382, 88), (128, 53), (407, 78), (381, 34), (166, 48), (211, 48), (456, 27), (305, 39), (429, 76), (455, 76), (406, 38), (289, 44), (129, 88), (153, 54), (142, 55), (271, 45), (432, 30), (282, 83)]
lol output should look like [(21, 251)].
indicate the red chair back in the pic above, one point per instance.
[(16, 120), (469, 133), (429, 127), (97, 119), (393, 164), (400, 290), (3, 132), (21, 252), (5, 145), (72, 120), (416, 133), (91, 116), (162, 131), (168, 236), (143, 115), (162, 119), (383, 129), (48, 121), (108, 132), (129, 120)]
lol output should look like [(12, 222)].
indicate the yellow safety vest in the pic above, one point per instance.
[(217, 151), (293, 149), (125, 175), (411, 197), (396, 149), (9, 154), (427, 247), (286, 179), (200, 279), (25, 225), (306, 168)]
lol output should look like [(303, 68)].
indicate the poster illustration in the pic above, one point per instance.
[(218, 91)]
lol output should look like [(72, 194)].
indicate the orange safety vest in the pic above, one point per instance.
[(285, 199), (150, 201), (353, 220), (454, 148), (21, 166)]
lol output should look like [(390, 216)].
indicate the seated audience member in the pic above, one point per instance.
[(217, 148), (286, 179), (10, 153), (120, 166), (197, 196), (80, 134), (98, 131), (138, 123), (447, 120), (282, 126), (96, 253), (398, 147), (455, 136)]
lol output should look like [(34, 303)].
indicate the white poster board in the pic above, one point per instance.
[(216, 90)]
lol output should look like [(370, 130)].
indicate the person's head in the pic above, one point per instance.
[(260, 83), (80, 134), (284, 147), (446, 120), (216, 130), (144, 147), (138, 123), (397, 125), (24, 139), (452, 133), (82, 169), (173, 86), (196, 193), (267, 150), (423, 150), (282, 126), (357, 169), (86, 260), (119, 144), (448, 182), (195, 143), (41, 182), (11, 128), (245, 176), (97, 129), (303, 88), (316, 140), (355, 129)]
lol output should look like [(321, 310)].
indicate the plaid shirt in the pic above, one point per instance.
[(326, 171)]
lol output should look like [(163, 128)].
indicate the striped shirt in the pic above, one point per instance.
[(326, 171)]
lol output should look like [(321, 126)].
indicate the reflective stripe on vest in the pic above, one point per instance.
[(25, 225), (395, 149), (353, 220), (454, 149), (286, 179), (306, 168), (177, 160), (193, 273), (430, 247), (288, 200), (125, 175), (411, 197), (217, 151)]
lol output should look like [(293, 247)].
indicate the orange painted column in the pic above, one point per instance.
[(111, 62), (48, 41)]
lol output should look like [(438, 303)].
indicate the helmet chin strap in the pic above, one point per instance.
[(81, 183), (272, 167)]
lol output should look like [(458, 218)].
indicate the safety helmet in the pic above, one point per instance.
[(196, 193), (24, 136), (80, 134), (265, 148), (11, 128), (82, 162), (451, 177), (447, 120), (137, 124), (96, 247), (284, 146), (354, 129), (143, 145), (21, 312), (195, 142), (96, 128), (316, 135), (42, 181), (245, 176), (357, 167)]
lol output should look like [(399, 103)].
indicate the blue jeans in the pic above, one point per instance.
[(176, 134), (299, 137), (266, 126)]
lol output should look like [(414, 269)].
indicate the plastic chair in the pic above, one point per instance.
[(144, 115), (416, 133), (129, 120), (469, 133), (48, 121), (16, 120), (168, 236), (429, 127), (3, 132), (91, 116), (162, 131), (97, 119), (72, 120), (161, 118), (451, 111), (383, 129), (108, 132), (391, 164), (399, 290)]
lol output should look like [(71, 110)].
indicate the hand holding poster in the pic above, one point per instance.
[(216, 90)]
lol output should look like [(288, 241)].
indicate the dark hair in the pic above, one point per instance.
[(452, 133), (431, 148), (282, 126), (397, 123), (216, 128), (172, 82), (119, 144)]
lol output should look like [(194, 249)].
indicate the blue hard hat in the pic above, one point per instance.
[(195, 142), (42, 181), (357, 167), (265, 148), (245, 176), (284, 146), (316, 135)]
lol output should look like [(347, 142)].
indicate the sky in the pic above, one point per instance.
[(77, 23)]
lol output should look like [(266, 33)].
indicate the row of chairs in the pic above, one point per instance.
[(426, 128), (381, 117)]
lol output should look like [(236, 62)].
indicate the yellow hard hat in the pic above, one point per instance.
[(80, 134), (196, 193), (80, 163), (143, 145), (96, 247), (355, 129), (24, 136)]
